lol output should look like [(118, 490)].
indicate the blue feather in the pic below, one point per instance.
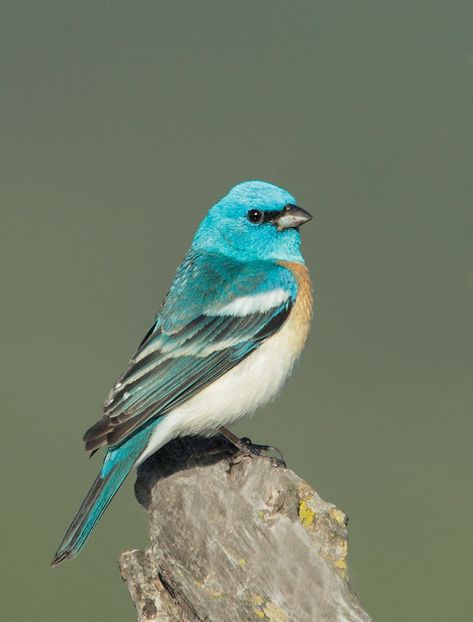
[(117, 463)]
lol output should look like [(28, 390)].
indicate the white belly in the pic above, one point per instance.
[(238, 393)]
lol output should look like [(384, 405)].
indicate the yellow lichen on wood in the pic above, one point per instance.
[(306, 510), (341, 565), (306, 514), (338, 516), (256, 599), (274, 613)]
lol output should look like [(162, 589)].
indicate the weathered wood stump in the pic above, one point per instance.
[(236, 538)]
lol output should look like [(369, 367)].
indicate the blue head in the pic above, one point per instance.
[(254, 221)]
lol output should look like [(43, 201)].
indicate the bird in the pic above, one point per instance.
[(228, 334)]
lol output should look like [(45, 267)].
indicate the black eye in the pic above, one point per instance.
[(255, 216)]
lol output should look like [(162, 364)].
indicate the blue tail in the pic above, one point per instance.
[(117, 463)]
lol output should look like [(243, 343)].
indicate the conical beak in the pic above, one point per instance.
[(292, 217)]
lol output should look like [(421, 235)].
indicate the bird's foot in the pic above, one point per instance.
[(264, 451), (247, 449)]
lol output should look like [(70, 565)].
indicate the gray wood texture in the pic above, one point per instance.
[(236, 538)]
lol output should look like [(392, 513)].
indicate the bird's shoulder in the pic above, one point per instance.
[(208, 281)]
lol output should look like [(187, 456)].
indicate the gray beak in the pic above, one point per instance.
[(292, 217)]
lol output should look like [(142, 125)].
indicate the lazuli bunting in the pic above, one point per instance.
[(229, 331)]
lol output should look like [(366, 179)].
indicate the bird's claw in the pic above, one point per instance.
[(248, 449)]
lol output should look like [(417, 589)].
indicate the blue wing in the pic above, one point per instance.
[(217, 312)]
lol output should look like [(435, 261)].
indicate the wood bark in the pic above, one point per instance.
[(236, 538)]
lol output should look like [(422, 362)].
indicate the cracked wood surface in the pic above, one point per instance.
[(235, 539)]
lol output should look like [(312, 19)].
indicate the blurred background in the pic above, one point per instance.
[(121, 123)]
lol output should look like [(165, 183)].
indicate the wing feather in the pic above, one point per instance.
[(175, 361)]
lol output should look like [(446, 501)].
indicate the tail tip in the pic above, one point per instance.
[(59, 557)]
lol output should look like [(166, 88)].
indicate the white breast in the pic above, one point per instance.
[(238, 393)]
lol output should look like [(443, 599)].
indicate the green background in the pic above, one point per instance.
[(121, 122)]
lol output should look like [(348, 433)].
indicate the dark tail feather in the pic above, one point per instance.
[(117, 464)]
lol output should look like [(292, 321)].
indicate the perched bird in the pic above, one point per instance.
[(228, 333)]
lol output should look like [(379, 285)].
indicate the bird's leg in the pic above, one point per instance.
[(240, 444), (245, 446)]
